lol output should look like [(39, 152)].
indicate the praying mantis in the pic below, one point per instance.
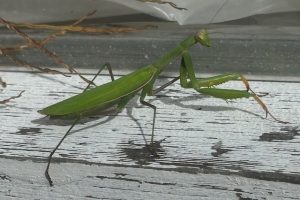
[(117, 93)]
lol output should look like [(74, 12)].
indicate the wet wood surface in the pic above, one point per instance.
[(208, 148)]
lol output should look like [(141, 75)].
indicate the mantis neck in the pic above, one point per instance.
[(161, 63)]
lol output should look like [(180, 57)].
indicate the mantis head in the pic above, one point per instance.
[(202, 38)]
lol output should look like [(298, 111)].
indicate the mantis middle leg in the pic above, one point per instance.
[(143, 102)]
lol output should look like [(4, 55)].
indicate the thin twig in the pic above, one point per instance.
[(56, 59), (31, 66), (2, 83), (13, 97), (84, 17), (61, 30), (9, 50), (74, 28), (164, 2), (80, 29)]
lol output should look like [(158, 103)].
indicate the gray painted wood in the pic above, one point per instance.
[(209, 149), (251, 50)]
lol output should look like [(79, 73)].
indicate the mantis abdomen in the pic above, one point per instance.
[(103, 96)]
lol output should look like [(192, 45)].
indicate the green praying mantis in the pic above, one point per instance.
[(118, 93)]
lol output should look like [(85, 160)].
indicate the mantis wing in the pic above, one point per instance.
[(103, 96)]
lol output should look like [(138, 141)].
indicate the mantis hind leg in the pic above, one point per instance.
[(109, 68), (207, 85), (53, 151)]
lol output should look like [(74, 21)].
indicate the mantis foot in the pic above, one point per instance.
[(48, 178)]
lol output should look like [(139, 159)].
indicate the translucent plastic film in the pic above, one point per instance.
[(210, 11), (182, 11)]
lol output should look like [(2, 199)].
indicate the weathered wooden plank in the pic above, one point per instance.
[(24, 180), (191, 125)]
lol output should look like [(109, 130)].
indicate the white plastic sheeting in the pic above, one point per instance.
[(211, 11), (44, 11), (198, 11)]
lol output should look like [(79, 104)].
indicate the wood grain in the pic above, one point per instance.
[(208, 147)]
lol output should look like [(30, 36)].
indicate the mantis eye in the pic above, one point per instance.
[(203, 38)]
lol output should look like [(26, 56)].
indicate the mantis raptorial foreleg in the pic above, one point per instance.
[(206, 86)]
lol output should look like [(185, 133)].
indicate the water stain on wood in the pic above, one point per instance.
[(144, 154), (29, 131), (286, 133)]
